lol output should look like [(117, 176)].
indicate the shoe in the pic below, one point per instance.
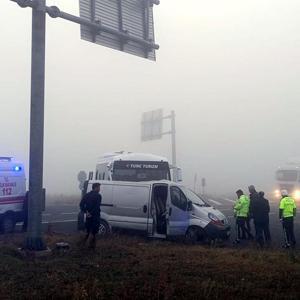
[(286, 246), (237, 242)]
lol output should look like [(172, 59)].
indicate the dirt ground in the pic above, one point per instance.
[(124, 267)]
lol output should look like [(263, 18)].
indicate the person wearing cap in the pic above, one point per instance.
[(241, 211), (287, 212)]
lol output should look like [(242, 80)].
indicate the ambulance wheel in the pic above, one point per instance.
[(104, 229), (192, 236), (8, 224)]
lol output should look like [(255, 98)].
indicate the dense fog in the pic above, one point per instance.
[(230, 70)]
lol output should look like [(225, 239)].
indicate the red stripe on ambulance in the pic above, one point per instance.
[(11, 200)]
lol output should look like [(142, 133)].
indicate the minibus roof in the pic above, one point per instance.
[(130, 156)]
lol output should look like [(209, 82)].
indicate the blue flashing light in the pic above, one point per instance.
[(17, 168)]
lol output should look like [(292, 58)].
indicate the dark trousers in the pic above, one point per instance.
[(262, 232), (288, 226), (92, 225), (243, 232), (248, 224)]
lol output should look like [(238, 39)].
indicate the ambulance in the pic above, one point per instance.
[(12, 193)]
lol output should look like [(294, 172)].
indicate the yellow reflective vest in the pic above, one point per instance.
[(241, 207), (287, 205)]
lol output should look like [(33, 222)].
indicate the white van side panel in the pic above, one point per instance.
[(131, 206)]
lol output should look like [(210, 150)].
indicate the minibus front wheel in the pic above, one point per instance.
[(192, 235)]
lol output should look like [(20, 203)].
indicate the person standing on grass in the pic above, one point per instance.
[(287, 212), (90, 205), (260, 210), (254, 197), (241, 211)]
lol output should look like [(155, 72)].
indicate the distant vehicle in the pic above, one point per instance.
[(134, 167), (160, 209), (288, 178), (12, 193)]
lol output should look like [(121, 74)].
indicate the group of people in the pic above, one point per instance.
[(257, 207)]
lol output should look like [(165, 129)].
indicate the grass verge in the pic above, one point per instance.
[(125, 267)]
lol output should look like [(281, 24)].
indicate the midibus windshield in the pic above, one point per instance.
[(140, 171)]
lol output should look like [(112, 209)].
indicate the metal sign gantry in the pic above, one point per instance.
[(131, 17), (152, 129), (139, 44)]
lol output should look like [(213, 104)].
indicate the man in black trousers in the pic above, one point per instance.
[(259, 211), (90, 205)]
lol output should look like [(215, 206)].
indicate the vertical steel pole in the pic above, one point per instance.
[(195, 181), (174, 160), (34, 239)]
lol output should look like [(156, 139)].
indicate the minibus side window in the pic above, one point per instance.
[(178, 199)]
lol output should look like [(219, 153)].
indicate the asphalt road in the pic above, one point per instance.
[(63, 218)]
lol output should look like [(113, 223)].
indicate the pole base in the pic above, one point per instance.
[(35, 244)]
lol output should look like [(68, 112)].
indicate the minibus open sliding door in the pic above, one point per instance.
[(178, 214)]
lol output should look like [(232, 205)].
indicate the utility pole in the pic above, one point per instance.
[(91, 28), (203, 184), (34, 240), (195, 181), (152, 129)]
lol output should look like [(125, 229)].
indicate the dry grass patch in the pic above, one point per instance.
[(134, 268)]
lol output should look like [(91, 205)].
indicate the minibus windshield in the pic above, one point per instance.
[(194, 197)]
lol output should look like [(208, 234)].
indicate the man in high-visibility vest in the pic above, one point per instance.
[(241, 211), (287, 212)]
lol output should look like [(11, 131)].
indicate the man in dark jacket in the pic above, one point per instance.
[(259, 211), (266, 224), (253, 195), (90, 205)]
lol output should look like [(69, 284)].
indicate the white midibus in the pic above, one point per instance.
[(288, 178), (134, 167), (12, 193)]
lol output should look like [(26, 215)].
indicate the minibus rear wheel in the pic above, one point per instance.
[(104, 229)]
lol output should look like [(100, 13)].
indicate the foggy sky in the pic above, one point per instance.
[(230, 69)]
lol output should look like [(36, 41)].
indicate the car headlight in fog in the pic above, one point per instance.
[(297, 194), (277, 193)]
